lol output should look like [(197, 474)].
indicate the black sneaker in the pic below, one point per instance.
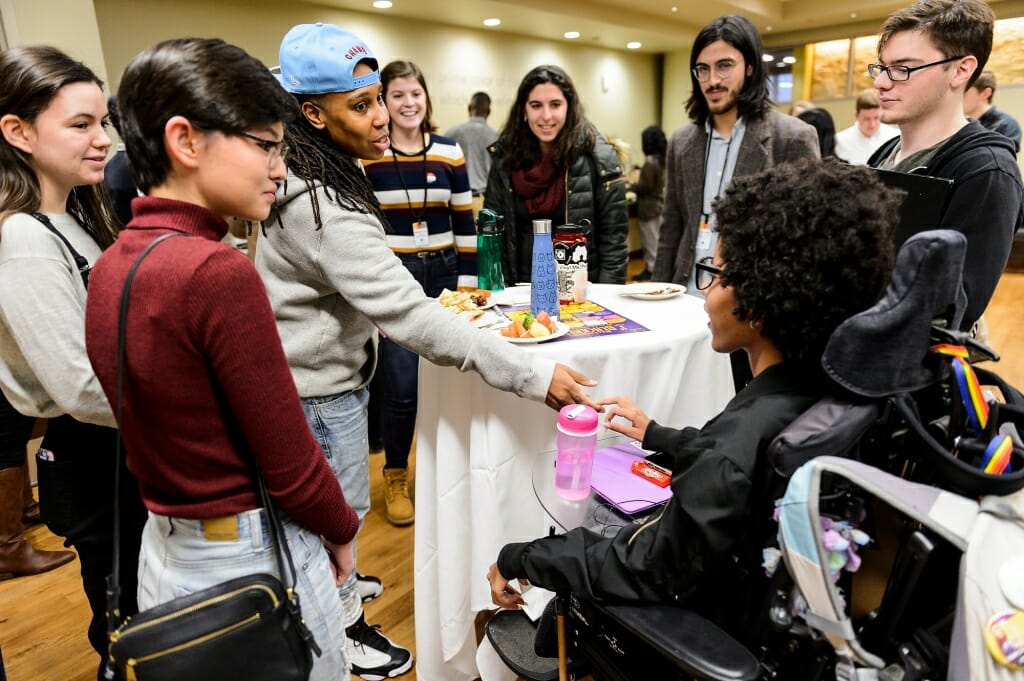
[(369, 587), (372, 655)]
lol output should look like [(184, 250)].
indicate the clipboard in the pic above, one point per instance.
[(613, 481), (924, 205)]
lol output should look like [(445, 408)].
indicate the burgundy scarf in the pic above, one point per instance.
[(542, 186)]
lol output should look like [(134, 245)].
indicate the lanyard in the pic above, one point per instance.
[(721, 179), (401, 178)]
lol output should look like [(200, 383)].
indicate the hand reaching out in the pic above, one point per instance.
[(624, 408), (502, 594), (565, 388)]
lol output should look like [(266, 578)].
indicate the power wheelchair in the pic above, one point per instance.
[(898, 411)]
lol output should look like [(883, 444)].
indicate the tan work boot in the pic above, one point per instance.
[(396, 497), (17, 556)]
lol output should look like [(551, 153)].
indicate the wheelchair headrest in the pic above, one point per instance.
[(884, 350)]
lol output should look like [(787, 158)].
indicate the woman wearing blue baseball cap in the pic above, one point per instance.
[(333, 281)]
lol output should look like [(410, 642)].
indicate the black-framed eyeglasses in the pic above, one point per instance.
[(898, 72), (277, 150), (723, 68), (706, 273)]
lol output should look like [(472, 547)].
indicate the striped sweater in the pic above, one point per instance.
[(432, 185)]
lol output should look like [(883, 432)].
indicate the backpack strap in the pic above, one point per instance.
[(80, 262)]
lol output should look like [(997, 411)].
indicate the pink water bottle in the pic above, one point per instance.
[(577, 438)]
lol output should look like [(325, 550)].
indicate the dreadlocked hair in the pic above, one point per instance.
[(313, 157)]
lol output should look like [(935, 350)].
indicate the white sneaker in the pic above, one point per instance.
[(372, 655), (369, 587)]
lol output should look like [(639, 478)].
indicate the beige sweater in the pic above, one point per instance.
[(44, 370)]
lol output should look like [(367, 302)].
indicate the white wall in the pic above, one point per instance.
[(619, 89), (66, 24)]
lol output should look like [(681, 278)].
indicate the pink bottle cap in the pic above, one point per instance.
[(577, 419)]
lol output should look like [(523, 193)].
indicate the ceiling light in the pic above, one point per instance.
[(768, 28), (492, 22), (853, 15), (571, 35), (789, 60), (780, 64), (767, 58), (634, 45), (382, 4), (675, 9)]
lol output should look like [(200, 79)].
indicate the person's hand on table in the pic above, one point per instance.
[(624, 407), (503, 595), (342, 561), (565, 388)]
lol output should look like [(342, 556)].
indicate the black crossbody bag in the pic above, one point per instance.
[(247, 628)]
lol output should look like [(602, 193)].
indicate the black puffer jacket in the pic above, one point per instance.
[(600, 199)]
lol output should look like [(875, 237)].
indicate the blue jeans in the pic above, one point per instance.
[(395, 385), (339, 425), (177, 560)]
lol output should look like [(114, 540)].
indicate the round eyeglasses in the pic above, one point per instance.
[(706, 273), (723, 68)]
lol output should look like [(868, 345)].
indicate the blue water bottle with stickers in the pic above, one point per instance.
[(543, 276)]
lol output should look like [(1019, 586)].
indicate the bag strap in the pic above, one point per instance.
[(281, 549), (80, 262)]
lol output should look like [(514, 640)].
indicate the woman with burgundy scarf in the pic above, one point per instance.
[(551, 163)]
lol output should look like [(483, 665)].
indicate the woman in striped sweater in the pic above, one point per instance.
[(423, 186)]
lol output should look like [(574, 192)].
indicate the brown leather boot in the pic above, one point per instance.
[(30, 511), (397, 504), (17, 556)]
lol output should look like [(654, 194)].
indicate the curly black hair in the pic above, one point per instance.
[(805, 246)]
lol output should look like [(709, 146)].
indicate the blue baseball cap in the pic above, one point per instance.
[(319, 58)]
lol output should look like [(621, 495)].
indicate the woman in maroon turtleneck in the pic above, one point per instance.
[(551, 163)]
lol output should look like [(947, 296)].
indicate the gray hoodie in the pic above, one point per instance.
[(332, 288)]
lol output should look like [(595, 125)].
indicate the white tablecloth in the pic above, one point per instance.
[(475, 444)]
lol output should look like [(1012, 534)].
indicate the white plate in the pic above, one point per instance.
[(652, 290), (561, 329), (512, 295), (490, 319)]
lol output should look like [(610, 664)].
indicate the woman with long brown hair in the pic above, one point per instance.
[(54, 222), (550, 162)]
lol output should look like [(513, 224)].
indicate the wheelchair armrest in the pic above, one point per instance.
[(695, 645)]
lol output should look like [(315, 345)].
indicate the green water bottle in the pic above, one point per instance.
[(490, 238)]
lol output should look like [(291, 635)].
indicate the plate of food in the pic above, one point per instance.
[(650, 290), (534, 329), (467, 304)]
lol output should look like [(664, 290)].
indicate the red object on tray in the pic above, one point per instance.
[(651, 472)]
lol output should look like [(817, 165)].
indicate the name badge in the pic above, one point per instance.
[(420, 233), (704, 240)]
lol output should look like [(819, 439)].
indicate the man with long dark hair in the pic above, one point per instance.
[(734, 131)]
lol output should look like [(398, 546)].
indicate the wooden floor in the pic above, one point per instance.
[(43, 618)]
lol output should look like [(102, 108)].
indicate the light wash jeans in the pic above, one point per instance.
[(177, 560), (339, 424)]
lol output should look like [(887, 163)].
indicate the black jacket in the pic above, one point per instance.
[(687, 550), (986, 204), (595, 190)]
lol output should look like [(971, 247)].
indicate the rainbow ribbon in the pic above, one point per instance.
[(967, 382), (997, 455), (951, 350)]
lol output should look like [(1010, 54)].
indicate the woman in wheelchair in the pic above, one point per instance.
[(800, 249)]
